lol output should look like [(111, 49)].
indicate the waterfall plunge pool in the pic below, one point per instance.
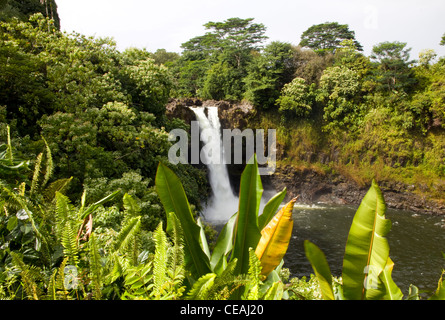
[(416, 243)]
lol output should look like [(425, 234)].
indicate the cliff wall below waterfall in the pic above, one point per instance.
[(317, 167)]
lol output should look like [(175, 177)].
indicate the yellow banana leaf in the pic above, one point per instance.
[(275, 239)]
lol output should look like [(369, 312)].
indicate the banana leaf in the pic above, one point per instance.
[(223, 246), (174, 199), (393, 292), (271, 208), (367, 249), (247, 233), (202, 237), (275, 239), (321, 268)]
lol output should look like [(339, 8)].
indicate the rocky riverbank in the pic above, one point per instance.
[(312, 186)]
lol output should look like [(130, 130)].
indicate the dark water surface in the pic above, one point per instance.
[(416, 243)]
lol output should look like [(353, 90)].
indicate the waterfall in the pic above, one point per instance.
[(223, 202)]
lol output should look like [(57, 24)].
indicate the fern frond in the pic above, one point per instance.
[(138, 282), (227, 282), (254, 276), (51, 292), (117, 265), (202, 287), (49, 164), (95, 267), (176, 253), (127, 236), (35, 176), (57, 186), (69, 243), (160, 260), (132, 208), (29, 276), (60, 280), (66, 228)]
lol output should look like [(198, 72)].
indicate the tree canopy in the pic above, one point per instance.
[(327, 37)]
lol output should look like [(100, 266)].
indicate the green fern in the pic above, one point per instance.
[(202, 288), (49, 193), (95, 267), (30, 275), (214, 287), (38, 167), (132, 208), (168, 263), (35, 177), (138, 281), (254, 275), (175, 252), (49, 164), (56, 285), (160, 260), (66, 228), (127, 238)]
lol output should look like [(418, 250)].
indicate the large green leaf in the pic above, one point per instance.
[(271, 208), (247, 233), (393, 292), (223, 246), (83, 214), (321, 268), (367, 249), (174, 199)]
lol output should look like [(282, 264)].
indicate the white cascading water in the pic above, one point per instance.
[(223, 202)]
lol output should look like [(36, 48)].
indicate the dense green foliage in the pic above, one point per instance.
[(100, 111), (378, 117), (328, 37), (86, 188), (23, 9)]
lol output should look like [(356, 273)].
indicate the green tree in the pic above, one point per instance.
[(23, 9), (327, 37), (339, 89), (393, 66), (310, 65), (235, 38), (349, 56), (161, 56), (268, 73), (295, 99), (228, 45)]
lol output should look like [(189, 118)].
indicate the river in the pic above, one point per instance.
[(416, 243)]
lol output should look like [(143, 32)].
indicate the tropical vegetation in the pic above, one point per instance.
[(90, 207)]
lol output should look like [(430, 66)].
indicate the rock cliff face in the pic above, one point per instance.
[(312, 186), (231, 115)]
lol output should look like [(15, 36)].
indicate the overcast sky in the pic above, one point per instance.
[(169, 23)]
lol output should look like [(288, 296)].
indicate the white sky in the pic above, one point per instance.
[(169, 23)]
